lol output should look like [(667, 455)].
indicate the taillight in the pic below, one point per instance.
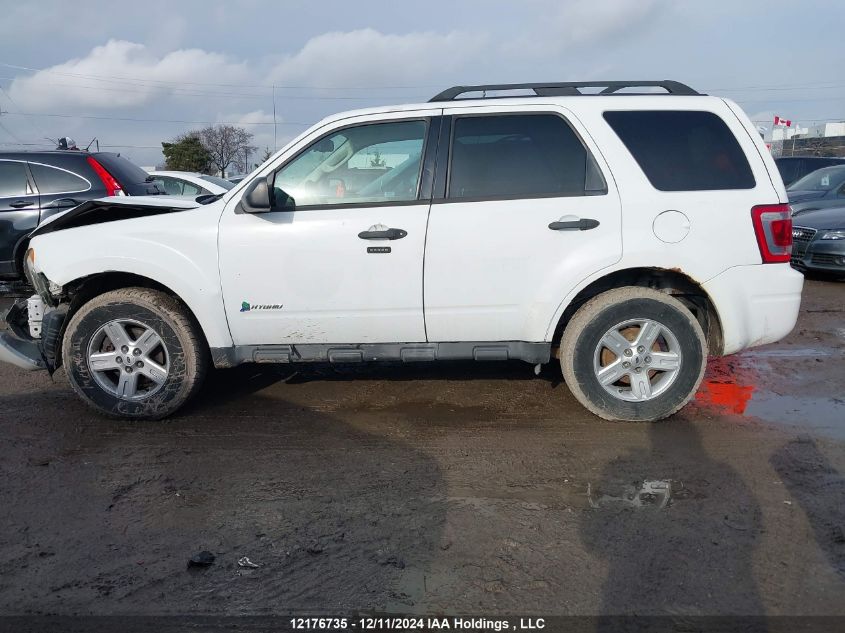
[(113, 187), (773, 228)]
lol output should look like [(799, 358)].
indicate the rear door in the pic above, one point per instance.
[(528, 211), (59, 188), (18, 211)]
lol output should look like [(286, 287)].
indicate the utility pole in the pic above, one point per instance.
[(275, 141)]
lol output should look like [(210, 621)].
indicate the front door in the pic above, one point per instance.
[(529, 211), (339, 258)]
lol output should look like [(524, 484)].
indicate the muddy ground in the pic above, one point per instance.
[(470, 488)]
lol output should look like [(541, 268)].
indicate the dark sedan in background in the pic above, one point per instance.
[(818, 241), (36, 185), (794, 168), (819, 190)]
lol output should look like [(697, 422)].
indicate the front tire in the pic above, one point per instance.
[(633, 354), (134, 353)]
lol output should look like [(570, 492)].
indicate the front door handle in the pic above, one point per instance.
[(381, 232), (20, 204), (574, 223)]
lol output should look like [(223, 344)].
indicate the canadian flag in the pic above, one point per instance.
[(784, 122)]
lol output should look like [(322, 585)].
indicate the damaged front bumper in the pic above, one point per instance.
[(21, 349), (21, 353)]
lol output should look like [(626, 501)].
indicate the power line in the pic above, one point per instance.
[(8, 131), (790, 86), (52, 145), (139, 120), (124, 78), (839, 98), (187, 92)]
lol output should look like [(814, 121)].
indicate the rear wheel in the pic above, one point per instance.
[(134, 353), (633, 354)]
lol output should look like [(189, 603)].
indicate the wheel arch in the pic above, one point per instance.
[(672, 281), (82, 290)]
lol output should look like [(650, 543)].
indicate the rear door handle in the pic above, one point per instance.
[(573, 223), (381, 232), (20, 204), (63, 203)]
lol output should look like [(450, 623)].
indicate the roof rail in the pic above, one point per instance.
[(570, 88)]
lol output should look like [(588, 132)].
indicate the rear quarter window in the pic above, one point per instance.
[(683, 150), (125, 171), (52, 180)]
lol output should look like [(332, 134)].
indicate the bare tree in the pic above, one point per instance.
[(225, 144)]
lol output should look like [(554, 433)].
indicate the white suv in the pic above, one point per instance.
[(628, 229)]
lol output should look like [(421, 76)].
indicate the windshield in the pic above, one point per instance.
[(823, 179), (218, 181)]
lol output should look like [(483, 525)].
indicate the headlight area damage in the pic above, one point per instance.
[(35, 325), (20, 347), (34, 328)]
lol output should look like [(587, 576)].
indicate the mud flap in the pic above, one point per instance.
[(52, 328)]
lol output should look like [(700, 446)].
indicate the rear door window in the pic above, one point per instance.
[(519, 155), (171, 186), (12, 179), (51, 180), (683, 150)]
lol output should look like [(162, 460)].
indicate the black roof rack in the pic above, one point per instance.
[(570, 88)]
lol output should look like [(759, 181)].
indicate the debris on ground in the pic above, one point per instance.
[(202, 559), (244, 561)]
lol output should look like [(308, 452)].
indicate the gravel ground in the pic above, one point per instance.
[(457, 488)]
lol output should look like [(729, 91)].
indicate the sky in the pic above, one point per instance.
[(134, 74)]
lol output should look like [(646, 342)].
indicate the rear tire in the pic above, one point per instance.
[(134, 353), (633, 354)]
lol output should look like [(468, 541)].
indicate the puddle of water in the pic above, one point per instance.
[(822, 415), (730, 386)]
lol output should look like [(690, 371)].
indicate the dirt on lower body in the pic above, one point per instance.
[(458, 488)]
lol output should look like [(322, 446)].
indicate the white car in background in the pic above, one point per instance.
[(186, 183)]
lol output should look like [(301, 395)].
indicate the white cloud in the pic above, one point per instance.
[(135, 76), (258, 123), (584, 22), (369, 58)]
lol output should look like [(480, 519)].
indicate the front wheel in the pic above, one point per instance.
[(134, 353), (633, 354)]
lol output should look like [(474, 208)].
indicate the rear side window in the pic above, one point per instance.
[(520, 155), (52, 180), (683, 150), (12, 179)]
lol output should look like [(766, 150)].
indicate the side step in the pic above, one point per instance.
[(533, 353)]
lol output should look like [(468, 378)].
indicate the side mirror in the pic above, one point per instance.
[(256, 198)]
